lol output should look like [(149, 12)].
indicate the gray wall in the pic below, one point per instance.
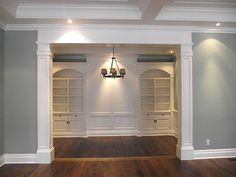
[(20, 94), (214, 90), (1, 91)]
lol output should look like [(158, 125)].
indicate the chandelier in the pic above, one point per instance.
[(114, 72)]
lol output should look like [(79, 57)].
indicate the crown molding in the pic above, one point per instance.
[(38, 27), (54, 11), (21, 27), (197, 14)]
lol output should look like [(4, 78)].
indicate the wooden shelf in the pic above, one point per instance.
[(69, 91), (155, 91)]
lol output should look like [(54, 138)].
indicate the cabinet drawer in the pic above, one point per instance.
[(60, 126), (163, 124), (64, 116), (156, 116), (68, 126), (150, 124), (76, 126)]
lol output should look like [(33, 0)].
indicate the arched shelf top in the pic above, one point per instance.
[(67, 73), (155, 73)]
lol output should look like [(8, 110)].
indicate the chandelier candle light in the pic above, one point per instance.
[(115, 72)]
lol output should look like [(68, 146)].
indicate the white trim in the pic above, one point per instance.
[(214, 153), (20, 158), (207, 14), (2, 161), (36, 27), (54, 11), (185, 123), (184, 152), (94, 133), (45, 152), (45, 156)]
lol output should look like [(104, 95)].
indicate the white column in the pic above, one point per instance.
[(185, 140), (45, 152), (172, 100)]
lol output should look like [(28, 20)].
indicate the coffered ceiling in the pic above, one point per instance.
[(122, 12)]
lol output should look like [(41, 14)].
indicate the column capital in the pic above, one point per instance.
[(43, 49), (46, 54), (186, 50)]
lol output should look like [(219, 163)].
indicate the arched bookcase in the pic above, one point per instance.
[(68, 103)]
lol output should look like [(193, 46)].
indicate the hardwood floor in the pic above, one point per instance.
[(126, 146), (162, 166), (121, 157)]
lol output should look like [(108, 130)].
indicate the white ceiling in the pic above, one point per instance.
[(131, 12)]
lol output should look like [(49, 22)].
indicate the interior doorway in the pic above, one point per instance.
[(144, 124)]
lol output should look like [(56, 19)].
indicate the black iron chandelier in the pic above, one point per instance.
[(114, 72)]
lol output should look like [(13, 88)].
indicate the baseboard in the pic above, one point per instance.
[(2, 160), (184, 152), (45, 156), (112, 133), (214, 153), (69, 135), (156, 133), (19, 158)]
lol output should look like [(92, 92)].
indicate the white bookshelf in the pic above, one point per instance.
[(155, 91), (155, 102), (68, 102)]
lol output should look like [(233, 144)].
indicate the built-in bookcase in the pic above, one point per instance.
[(155, 91), (68, 102), (156, 88)]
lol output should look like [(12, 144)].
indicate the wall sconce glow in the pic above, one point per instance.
[(218, 24), (72, 37), (69, 21), (171, 51)]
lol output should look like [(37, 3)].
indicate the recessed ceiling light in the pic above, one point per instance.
[(218, 24), (69, 21)]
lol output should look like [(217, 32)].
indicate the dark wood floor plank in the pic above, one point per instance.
[(128, 146)]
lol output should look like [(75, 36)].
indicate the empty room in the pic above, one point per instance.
[(126, 88)]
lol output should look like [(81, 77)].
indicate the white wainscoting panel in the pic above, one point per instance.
[(99, 121), (111, 124), (124, 121)]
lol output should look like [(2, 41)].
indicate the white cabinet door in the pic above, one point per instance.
[(60, 126), (148, 124), (163, 124), (76, 126)]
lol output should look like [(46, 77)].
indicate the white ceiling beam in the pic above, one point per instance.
[(152, 9)]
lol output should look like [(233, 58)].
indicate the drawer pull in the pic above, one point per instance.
[(155, 121), (76, 115), (68, 122)]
